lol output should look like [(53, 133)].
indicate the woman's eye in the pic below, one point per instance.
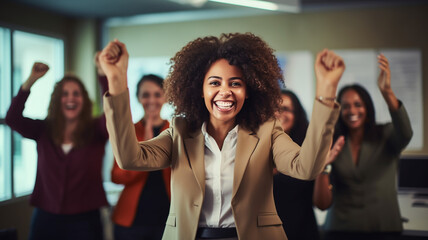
[(236, 84), (214, 83)]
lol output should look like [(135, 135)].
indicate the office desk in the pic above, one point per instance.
[(414, 211)]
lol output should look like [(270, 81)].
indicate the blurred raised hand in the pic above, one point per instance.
[(335, 150), (38, 70), (384, 83)]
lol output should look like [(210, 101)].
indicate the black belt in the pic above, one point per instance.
[(210, 233)]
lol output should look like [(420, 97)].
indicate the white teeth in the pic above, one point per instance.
[(224, 104), (353, 118), (70, 106)]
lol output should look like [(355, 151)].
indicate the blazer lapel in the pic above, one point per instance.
[(246, 143), (195, 146)]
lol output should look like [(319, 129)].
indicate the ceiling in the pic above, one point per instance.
[(122, 8)]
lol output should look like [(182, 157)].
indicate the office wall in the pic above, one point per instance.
[(83, 39), (392, 27)]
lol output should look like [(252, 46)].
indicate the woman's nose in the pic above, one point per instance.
[(225, 92), (352, 110)]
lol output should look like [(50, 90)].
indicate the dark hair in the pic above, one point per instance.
[(370, 128), (300, 125), (249, 53), (149, 77), (56, 120)]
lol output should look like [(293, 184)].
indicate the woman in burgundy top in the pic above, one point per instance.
[(68, 191)]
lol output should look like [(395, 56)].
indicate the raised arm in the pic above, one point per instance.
[(309, 161), (402, 129), (131, 155), (329, 68), (384, 83), (39, 70), (27, 127), (114, 63)]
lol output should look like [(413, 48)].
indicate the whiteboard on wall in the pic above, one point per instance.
[(406, 82)]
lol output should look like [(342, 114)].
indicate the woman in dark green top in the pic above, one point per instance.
[(363, 196)]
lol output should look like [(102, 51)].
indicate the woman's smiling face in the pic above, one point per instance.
[(71, 101), (354, 112), (285, 115), (224, 91), (152, 97)]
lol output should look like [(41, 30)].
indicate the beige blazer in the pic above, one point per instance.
[(257, 153)]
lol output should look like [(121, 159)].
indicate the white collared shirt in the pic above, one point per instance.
[(219, 166)]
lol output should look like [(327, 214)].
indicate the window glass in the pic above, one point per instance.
[(24, 165), (5, 97), (27, 49), (4, 71), (5, 163)]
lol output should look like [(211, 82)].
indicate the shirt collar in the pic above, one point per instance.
[(232, 132)]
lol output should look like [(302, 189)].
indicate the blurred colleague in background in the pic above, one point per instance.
[(68, 192), (143, 206), (363, 196), (293, 197)]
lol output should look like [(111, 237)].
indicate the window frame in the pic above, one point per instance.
[(11, 147)]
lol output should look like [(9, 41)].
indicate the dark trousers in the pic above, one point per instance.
[(82, 226), (362, 236), (138, 232)]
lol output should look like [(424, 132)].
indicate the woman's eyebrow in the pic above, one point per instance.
[(216, 77), (230, 79)]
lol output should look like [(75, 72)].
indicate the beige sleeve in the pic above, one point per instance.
[(129, 153), (308, 161)]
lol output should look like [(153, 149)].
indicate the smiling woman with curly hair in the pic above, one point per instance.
[(249, 53), (224, 141)]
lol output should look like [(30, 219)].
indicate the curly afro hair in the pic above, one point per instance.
[(249, 53)]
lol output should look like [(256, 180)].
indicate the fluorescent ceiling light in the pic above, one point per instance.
[(265, 5), (250, 3), (195, 3)]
